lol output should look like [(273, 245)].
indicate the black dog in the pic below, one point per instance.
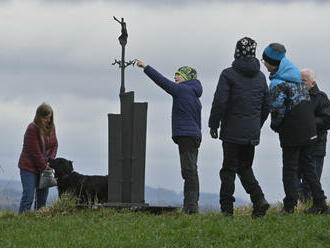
[(88, 189)]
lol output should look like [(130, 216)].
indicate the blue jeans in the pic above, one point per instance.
[(318, 165), (30, 182)]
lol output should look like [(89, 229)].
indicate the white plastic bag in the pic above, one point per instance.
[(47, 179)]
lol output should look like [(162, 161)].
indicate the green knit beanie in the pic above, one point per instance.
[(187, 72)]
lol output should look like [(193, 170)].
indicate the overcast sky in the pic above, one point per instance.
[(60, 52)]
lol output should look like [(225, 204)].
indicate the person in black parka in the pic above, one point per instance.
[(241, 104), (321, 108)]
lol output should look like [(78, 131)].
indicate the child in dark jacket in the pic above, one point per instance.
[(186, 125), (241, 104)]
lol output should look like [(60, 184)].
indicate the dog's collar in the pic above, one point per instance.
[(65, 176)]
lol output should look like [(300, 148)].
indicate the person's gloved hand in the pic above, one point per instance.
[(214, 133)]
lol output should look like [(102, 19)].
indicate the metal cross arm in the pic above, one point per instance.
[(131, 62)]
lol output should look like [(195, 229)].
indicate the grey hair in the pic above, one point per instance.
[(310, 73)]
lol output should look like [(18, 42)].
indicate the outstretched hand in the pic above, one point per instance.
[(140, 63), (214, 133)]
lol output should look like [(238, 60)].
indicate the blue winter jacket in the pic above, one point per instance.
[(287, 91), (186, 108), (291, 113)]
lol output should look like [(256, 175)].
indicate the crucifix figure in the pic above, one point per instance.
[(122, 64), (123, 37)]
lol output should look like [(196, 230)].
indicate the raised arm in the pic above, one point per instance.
[(169, 86)]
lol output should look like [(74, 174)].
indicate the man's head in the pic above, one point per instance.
[(245, 47), (272, 56), (185, 73), (308, 77)]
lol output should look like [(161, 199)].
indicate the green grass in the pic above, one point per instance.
[(62, 225)]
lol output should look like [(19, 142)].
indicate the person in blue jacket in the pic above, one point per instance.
[(186, 125), (293, 118), (241, 104)]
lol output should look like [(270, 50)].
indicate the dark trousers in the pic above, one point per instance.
[(238, 159), (188, 149), (318, 166), (299, 158)]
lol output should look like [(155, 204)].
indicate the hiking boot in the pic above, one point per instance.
[(286, 211), (227, 214), (318, 207), (227, 210), (260, 209), (190, 211)]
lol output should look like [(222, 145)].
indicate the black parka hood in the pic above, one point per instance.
[(248, 66)]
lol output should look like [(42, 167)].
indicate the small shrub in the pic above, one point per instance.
[(64, 206)]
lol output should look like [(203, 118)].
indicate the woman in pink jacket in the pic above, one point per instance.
[(40, 143)]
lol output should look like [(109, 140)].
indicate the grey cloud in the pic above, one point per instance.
[(178, 3), (83, 89), (169, 3)]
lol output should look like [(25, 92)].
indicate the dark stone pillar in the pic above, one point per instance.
[(115, 159), (127, 150), (139, 152)]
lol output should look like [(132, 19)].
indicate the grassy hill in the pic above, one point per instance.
[(63, 225), (11, 192)]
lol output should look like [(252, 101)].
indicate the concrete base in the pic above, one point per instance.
[(125, 205), (141, 207)]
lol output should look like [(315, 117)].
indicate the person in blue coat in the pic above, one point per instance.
[(186, 125), (241, 104), (293, 118)]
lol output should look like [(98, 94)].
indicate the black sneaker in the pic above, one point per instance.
[(227, 210), (190, 211), (260, 209), (318, 207), (227, 214), (286, 211)]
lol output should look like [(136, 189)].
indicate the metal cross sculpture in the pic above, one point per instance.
[(122, 63), (127, 145)]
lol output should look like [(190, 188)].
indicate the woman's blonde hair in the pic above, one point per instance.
[(43, 111)]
